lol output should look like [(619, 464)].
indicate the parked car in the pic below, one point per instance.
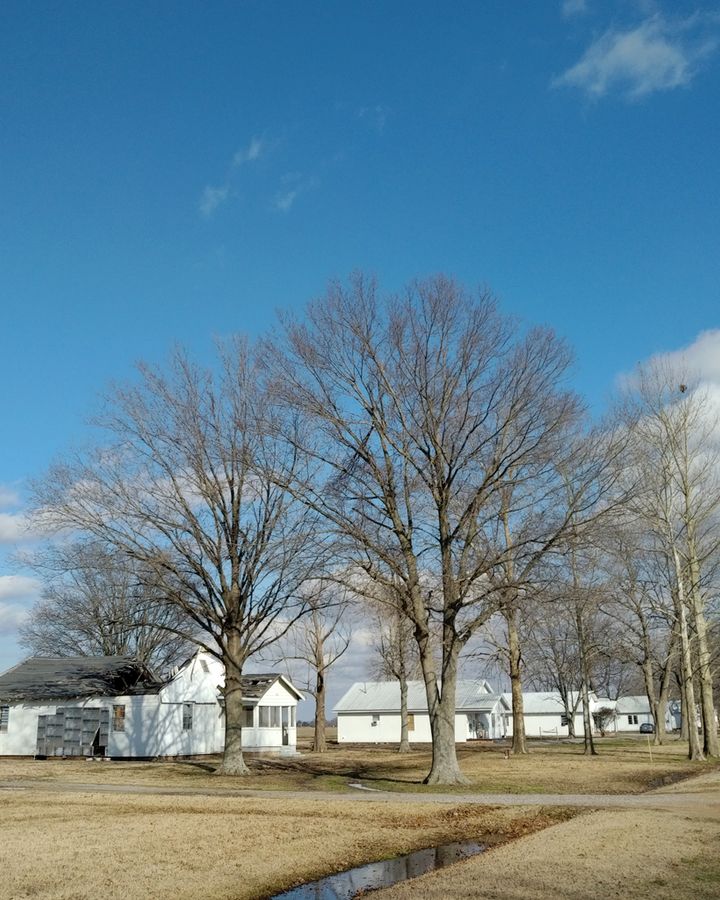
[(647, 728)]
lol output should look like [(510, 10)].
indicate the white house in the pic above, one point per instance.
[(545, 715), (369, 712), (113, 706), (632, 712)]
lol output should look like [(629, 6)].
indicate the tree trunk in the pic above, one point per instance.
[(711, 747), (404, 740), (441, 707), (649, 679), (694, 750), (232, 761), (662, 702), (519, 744), (683, 709), (319, 741)]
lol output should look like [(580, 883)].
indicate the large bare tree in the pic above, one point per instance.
[(414, 410), (96, 601), (677, 449), (185, 486)]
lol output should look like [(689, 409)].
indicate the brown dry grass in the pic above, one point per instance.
[(624, 766), (125, 847), (671, 854)]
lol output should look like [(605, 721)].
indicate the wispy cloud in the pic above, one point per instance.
[(375, 116), (253, 151), (212, 197), (571, 8), (295, 184), (658, 55)]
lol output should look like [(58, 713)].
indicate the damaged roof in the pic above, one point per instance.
[(255, 686), (59, 678)]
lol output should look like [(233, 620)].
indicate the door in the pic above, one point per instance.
[(286, 726)]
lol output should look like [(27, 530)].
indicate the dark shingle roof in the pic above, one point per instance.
[(254, 686), (59, 678)]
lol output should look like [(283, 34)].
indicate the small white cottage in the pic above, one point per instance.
[(369, 712), (545, 716), (113, 706)]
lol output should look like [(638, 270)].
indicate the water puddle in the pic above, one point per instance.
[(385, 873)]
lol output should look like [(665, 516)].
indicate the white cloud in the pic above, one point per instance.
[(8, 496), (253, 151), (699, 361), (574, 7), (212, 197), (15, 587), (13, 528), (11, 617), (658, 55)]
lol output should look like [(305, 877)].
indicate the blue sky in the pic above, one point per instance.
[(174, 171)]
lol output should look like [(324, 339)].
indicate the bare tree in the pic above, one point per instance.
[(317, 641), (678, 451), (414, 411), (186, 488), (95, 601), (395, 652)]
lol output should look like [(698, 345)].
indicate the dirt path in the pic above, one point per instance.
[(687, 795)]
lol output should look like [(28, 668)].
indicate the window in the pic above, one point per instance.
[(248, 716), (375, 720), (118, 722), (4, 717), (564, 720), (187, 716), (292, 717), (270, 716), (632, 720), (411, 721), (204, 666)]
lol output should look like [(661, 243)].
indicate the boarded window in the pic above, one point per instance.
[(118, 722), (4, 717), (411, 721), (187, 716)]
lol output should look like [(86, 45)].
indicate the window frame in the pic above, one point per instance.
[(188, 713), (118, 717), (4, 718)]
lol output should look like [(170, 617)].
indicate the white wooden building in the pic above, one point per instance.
[(545, 716), (369, 713), (112, 706)]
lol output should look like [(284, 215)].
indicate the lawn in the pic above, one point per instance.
[(623, 766), (127, 847)]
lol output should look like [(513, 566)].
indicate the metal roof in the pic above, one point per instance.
[(539, 702), (636, 704), (59, 678), (384, 696)]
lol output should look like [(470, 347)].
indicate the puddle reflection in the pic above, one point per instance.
[(385, 873)]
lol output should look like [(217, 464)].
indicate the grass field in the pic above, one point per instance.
[(124, 847), (623, 766), (127, 846)]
